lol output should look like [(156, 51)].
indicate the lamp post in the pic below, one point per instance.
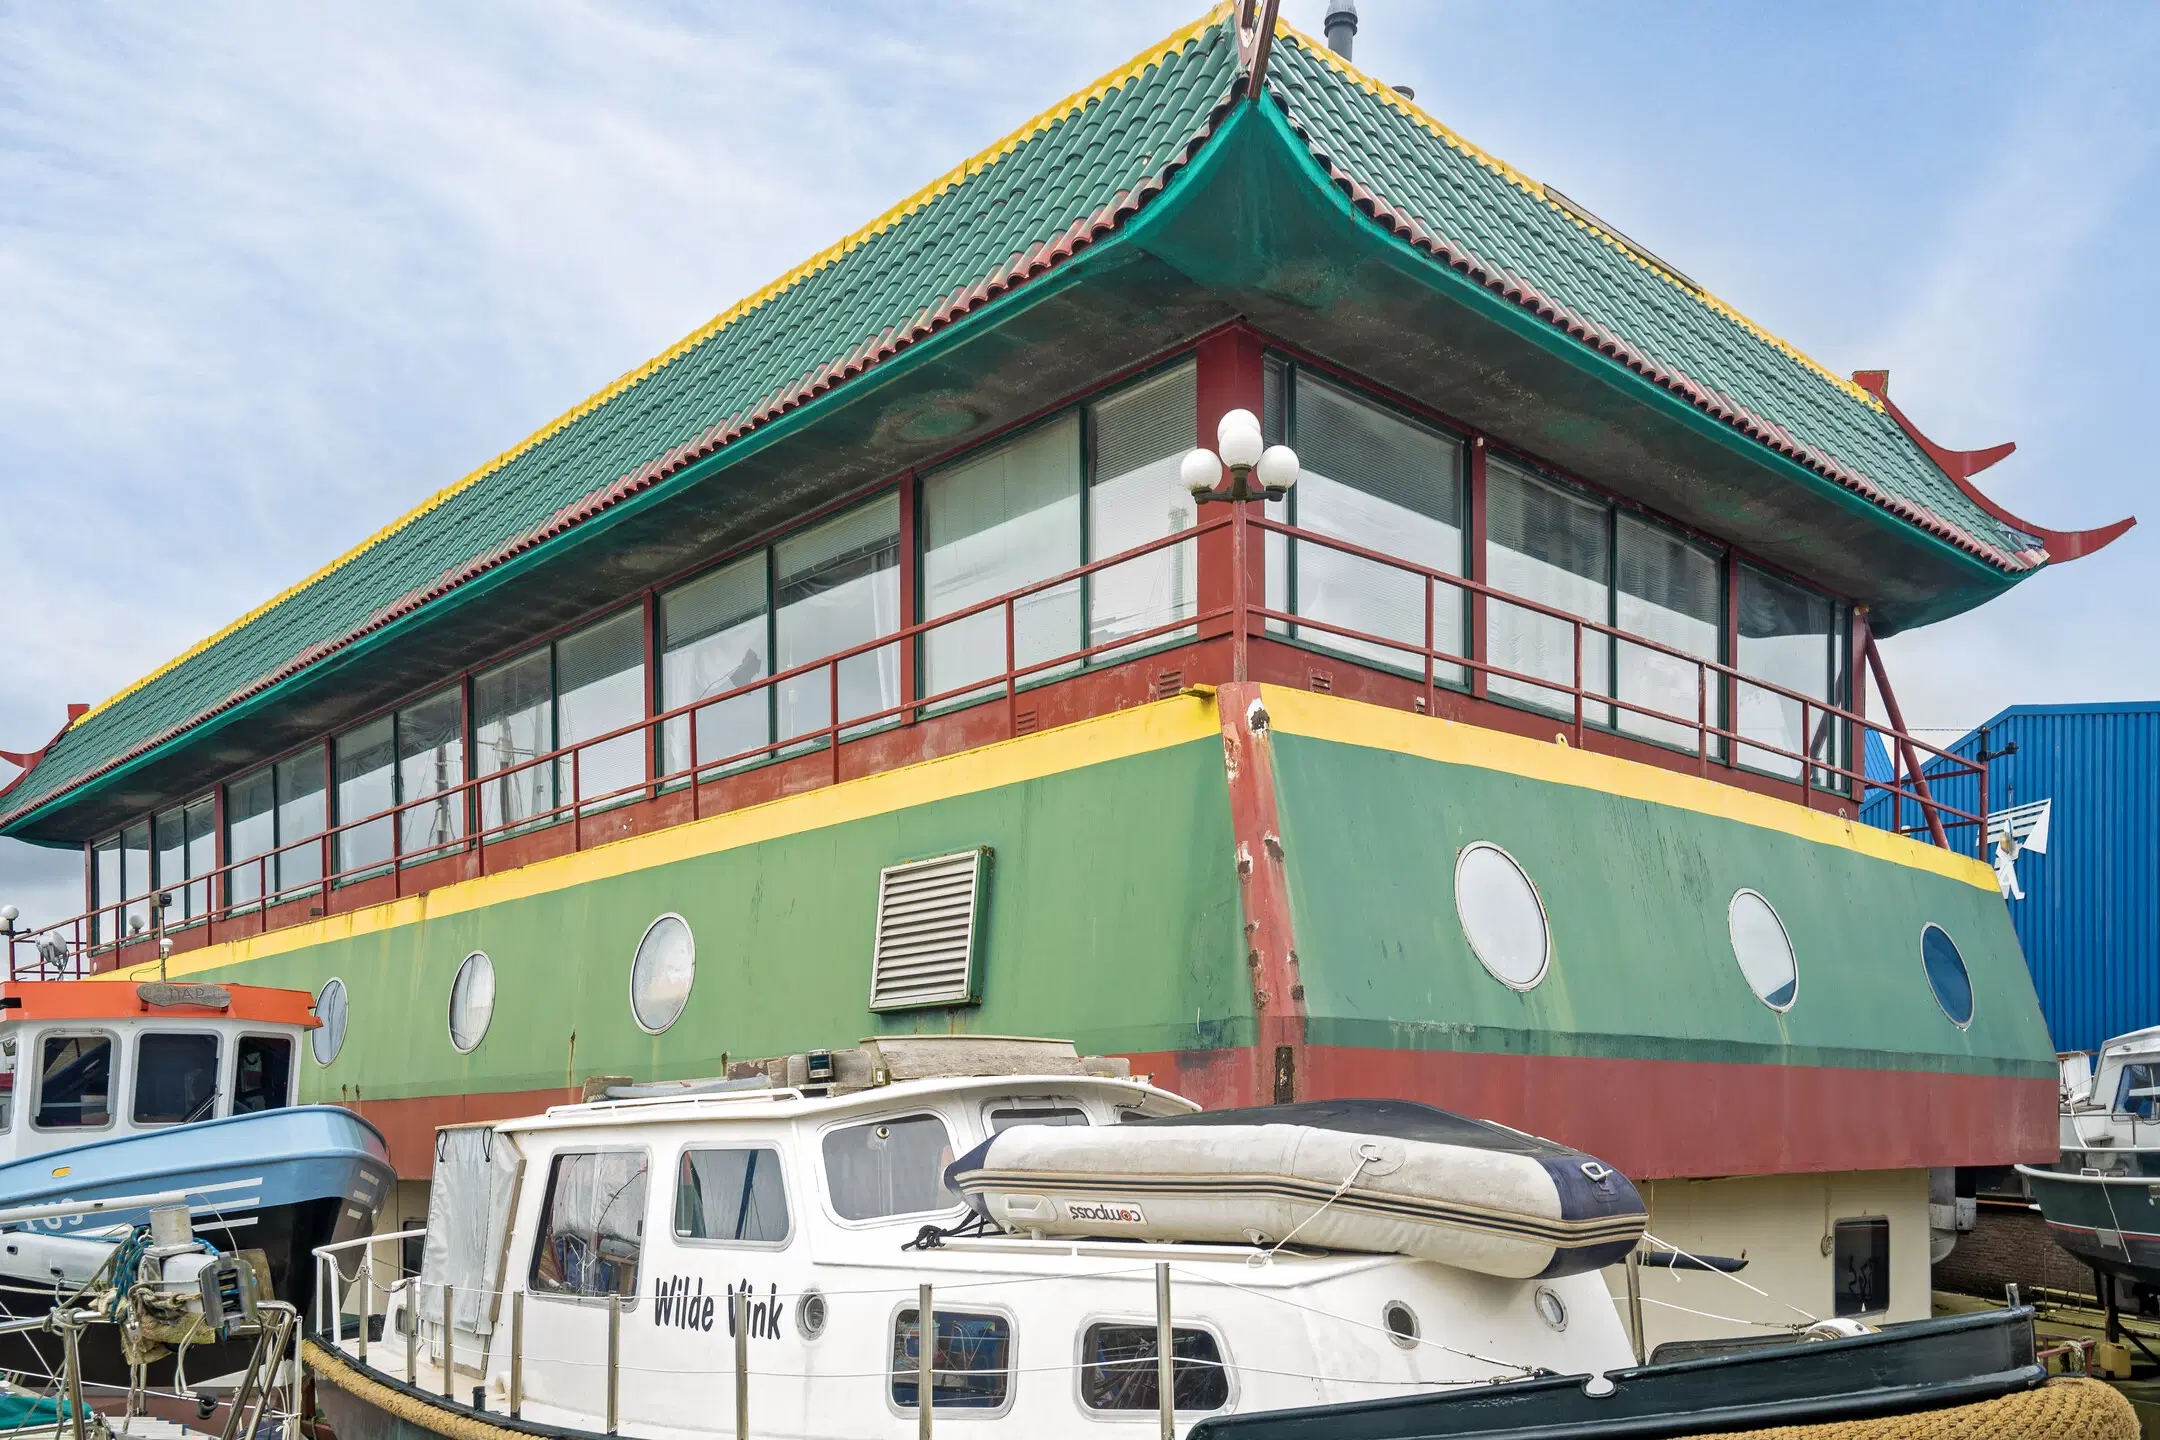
[(8, 916), (1241, 467)]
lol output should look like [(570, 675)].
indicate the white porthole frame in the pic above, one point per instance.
[(1537, 898), (1792, 952), (314, 1051), (630, 981), (450, 1006)]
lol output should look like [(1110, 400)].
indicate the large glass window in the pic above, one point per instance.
[(366, 791), (732, 1195), (301, 816), (1382, 483), (888, 1167), (1669, 589), (186, 841), (250, 836), (838, 587), (592, 1225), (970, 1360), (991, 524), (513, 723), (1794, 638), (175, 1078), (75, 1082), (714, 638), (1553, 544), (1136, 437), (135, 875), (600, 687), (105, 892), (431, 765)]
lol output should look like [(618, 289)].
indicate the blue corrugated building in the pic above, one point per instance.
[(2076, 788)]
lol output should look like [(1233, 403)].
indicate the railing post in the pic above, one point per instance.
[(832, 716), (577, 793), (925, 1378), (1012, 703), (517, 1353), (412, 1334), (1165, 1355), (448, 1341), (1430, 697), (1577, 630), (614, 1359), (367, 1295), (739, 1323)]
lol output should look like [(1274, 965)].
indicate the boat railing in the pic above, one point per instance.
[(816, 714)]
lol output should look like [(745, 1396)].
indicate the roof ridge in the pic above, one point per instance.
[(1410, 108), (1112, 80)]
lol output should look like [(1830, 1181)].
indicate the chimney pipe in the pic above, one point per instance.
[(1341, 26)]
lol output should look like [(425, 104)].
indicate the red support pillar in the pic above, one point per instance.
[(1232, 375), (1856, 642)]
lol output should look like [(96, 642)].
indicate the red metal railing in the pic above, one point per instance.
[(344, 853)]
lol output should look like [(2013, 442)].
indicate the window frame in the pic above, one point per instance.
[(1011, 1372), (1873, 1224), (774, 1146), (292, 1069), (630, 1301), (824, 1174), (117, 1080), (221, 1054), (1092, 1318)]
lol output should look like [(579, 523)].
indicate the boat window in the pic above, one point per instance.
[(1764, 950), (1501, 915), (329, 1037), (175, 1078), (1860, 1277), (7, 1083), (1117, 1369), (1005, 1117), (736, 1195), (1946, 975), (661, 973), (592, 1224), (75, 1082), (262, 1075), (472, 1001), (2136, 1093), (889, 1167), (970, 1361)]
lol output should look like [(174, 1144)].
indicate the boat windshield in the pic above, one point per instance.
[(2137, 1093)]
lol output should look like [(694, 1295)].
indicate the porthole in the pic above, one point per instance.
[(472, 1001), (1401, 1323), (810, 1314), (329, 1037), (1501, 915), (1550, 1307), (1946, 975), (660, 976), (1764, 950)]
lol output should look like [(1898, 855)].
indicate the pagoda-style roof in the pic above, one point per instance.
[(1152, 205)]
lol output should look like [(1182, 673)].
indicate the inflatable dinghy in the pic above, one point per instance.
[(1382, 1176)]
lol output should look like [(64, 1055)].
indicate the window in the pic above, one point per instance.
[(250, 836), (1795, 639), (7, 1084), (1946, 975), (991, 524), (592, 1225), (1860, 1260), (366, 791), (600, 687), (1553, 544), (889, 1167), (1135, 439), (838, 586), (1005, 1117), (1670, 589), (472, 1001), (714, 638), (1382, 483), (267, 811), (970, 1360), (1118, 1369), (75, 1082), (175, 1078), (1763, 949), (661, 973), (732, 1195), (329, 1037), (105, 894), (302, 814), (135, 886), (262, 1074), (514, 723), (186, 842), (120, 884), (1501, 915), (431, 763)]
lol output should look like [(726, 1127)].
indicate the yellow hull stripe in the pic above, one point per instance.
[(1325, 717), (1079, 100), (1137, 731)]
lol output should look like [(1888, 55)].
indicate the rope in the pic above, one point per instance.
[(2058, 1410)]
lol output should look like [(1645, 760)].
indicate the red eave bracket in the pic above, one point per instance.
[(27, 760), (1962, 465)]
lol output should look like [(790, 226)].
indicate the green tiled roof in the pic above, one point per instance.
[(1062, 181)]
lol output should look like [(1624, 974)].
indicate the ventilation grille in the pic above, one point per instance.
[(926, 931)]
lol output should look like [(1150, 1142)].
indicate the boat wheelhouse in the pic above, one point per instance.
[(868, 664)]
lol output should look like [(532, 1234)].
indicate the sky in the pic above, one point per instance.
[(272, 273)]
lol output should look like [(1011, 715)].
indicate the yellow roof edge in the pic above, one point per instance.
[(1532, 187), (983, 159)]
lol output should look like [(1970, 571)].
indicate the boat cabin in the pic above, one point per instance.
[(94, 1060)]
